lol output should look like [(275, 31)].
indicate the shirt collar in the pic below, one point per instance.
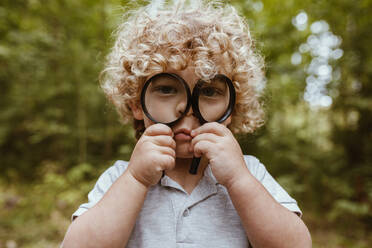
[(209, 175), (208, 182)]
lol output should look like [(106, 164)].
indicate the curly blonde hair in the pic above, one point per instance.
[(178, 34)]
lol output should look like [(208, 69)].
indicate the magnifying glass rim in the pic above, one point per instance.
[(143, 93), (196, 94)]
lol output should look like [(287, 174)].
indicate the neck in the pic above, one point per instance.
[(181, 174)]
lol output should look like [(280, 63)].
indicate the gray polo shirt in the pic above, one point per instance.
[(170, 217)]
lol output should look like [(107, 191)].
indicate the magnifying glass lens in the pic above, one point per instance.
[(214, 98), (165, 98)]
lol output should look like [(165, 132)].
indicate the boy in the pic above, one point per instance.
[(232, 201)]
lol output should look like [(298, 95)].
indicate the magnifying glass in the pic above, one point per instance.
[(166, 98)]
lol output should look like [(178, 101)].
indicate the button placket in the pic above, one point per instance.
[(186, 212)]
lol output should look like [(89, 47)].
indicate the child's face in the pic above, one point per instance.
[(185, 125)]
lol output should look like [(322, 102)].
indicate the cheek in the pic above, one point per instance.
[(227, 121), (147, 122)]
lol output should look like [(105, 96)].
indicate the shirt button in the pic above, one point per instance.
[(186, 212)]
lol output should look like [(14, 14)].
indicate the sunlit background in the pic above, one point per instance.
[(58, 133)]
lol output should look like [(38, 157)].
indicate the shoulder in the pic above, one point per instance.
[(254, 165), (104, 182), (106, 179), (113, 172), (118, 167), (259, 171)]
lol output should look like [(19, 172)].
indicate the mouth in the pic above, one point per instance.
[(182, 135)]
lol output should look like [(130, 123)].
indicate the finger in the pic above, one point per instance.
[(170, 163), (210, 127), (163, 140), (202, 148), (205, 136), (158, 129), (166, 162), (166, 151)]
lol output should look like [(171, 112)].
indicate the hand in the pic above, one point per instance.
[(225, 156), (153, 153)]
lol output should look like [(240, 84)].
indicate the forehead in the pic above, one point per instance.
[(195, 70), (204, 67), (191, 75)]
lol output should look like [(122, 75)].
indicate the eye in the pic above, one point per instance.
[(210, 91), (165, 90)]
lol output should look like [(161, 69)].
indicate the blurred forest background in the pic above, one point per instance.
[(58, 133)]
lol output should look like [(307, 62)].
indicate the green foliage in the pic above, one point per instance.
[(40, 210), (52, 106), (57, 132)]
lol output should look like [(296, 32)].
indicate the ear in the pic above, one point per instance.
[(136, 110)]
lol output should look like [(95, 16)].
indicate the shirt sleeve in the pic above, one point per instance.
[(103, 183), (272, 186)]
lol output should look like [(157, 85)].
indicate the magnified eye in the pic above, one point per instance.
[(165, 90), (210, 91)]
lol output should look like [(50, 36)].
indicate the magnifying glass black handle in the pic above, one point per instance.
[(194, 165)]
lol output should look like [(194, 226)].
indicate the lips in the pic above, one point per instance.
[(182, 135)]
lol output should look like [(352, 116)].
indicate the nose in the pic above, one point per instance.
[(180, 107), (188, 121), (191, 113)]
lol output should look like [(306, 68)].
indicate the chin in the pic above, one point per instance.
[(184, 156), (182, 150), (183, 153)]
